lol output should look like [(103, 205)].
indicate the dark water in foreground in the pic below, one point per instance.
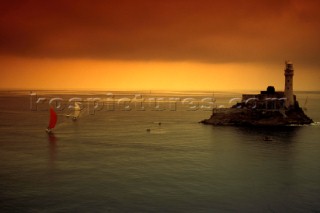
[(108, 162)]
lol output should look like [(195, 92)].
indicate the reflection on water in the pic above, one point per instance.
[(52, 148), (108, 162), (282, 134)]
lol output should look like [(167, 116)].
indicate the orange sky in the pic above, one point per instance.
[(152, 45)]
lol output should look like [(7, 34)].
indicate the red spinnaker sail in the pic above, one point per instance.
[(53, 118)]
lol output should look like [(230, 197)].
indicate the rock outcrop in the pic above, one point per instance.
[(257, 117)]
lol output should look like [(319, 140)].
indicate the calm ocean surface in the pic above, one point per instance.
[(106, 161)]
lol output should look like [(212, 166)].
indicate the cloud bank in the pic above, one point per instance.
[(167, 30)]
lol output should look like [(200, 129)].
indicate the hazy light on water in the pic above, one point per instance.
[(109, 162)]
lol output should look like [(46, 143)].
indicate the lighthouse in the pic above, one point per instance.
[(288, 88)]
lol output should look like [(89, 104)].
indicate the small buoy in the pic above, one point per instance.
[(267, 138), (148, 130), (159, 123)]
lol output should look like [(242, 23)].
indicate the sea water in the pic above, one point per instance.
[(152, 155)]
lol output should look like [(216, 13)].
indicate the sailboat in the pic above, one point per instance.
[(76, 111), (53, 120)]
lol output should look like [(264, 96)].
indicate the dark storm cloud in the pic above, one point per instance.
[(209, 31)]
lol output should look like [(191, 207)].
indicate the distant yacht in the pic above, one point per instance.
[(77, 111)]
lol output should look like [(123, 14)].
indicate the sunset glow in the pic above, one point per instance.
[(158, 45)]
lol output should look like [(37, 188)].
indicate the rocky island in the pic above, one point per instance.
[(269, 108)]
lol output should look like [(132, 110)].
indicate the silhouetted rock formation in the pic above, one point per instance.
[(257, 117)]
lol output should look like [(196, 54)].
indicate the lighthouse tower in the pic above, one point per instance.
[(288, 88)]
